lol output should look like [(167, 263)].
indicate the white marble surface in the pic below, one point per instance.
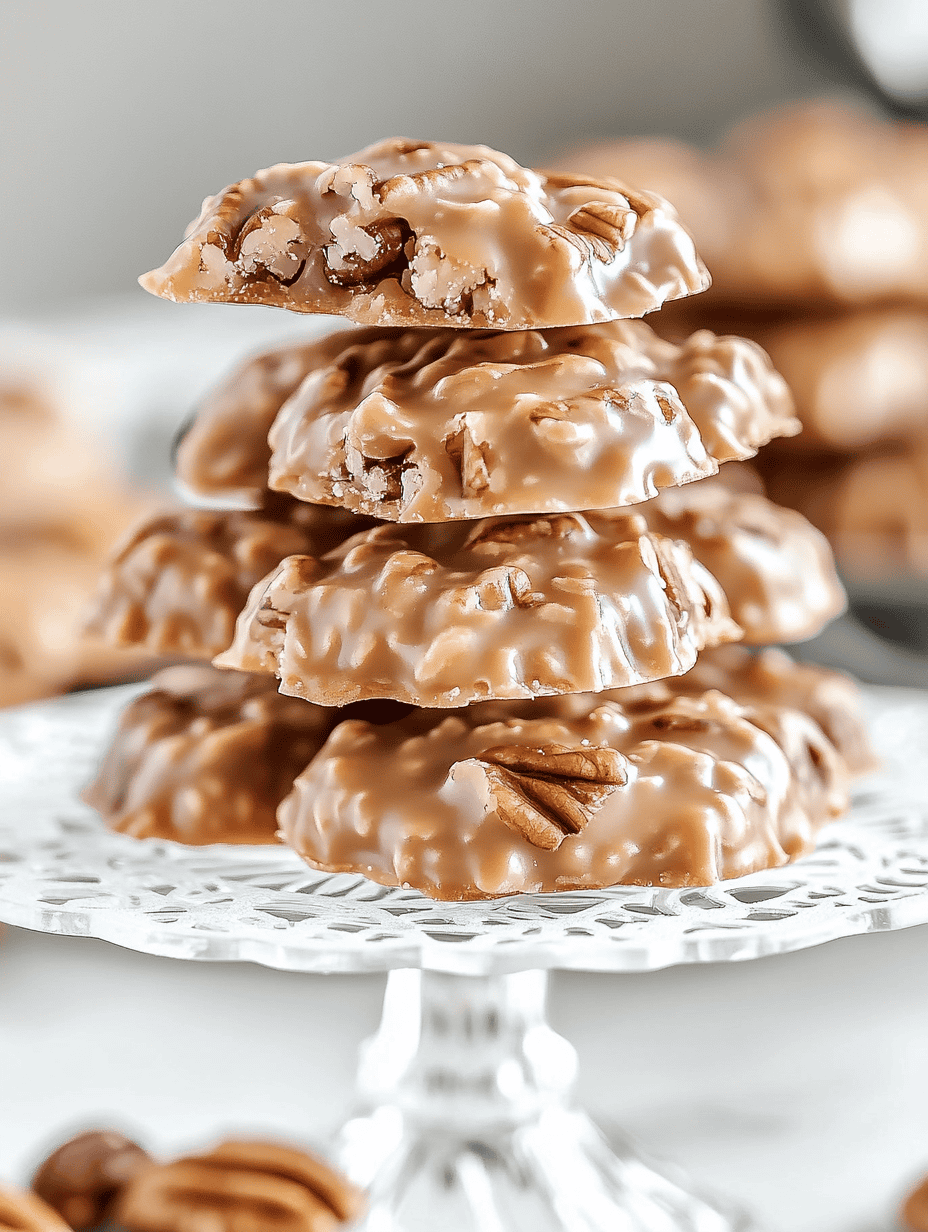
[(797, 1084)]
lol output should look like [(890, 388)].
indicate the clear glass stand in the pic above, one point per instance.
[(466, 1120), (467, 1123)]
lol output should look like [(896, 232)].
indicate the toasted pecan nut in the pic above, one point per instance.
[(240, 1186), (21, 1211), (84, 1176), (548, 792)]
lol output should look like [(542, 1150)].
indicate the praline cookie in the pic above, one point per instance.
[(178, 583), (206, 757), (432, 425), (684, 792), (452, 613), (422, 233)]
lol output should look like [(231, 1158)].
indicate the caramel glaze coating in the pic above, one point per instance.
[(206, 757), (704, 790), (432, 425), (448, 614), (82, 1178), (240, 1186), (21, 1211), (423, 233), (177, 584)]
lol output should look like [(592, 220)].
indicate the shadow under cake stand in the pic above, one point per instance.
[(465, 1119)]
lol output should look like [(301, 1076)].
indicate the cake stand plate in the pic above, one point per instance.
[(465, 1120)]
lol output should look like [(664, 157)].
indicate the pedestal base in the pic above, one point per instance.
[(467, 1124)]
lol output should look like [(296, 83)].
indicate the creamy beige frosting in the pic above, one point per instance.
[(451, 613), (206, 757), (685, 792), (425, 233), (429, 425), (776, 569), (177, 584)]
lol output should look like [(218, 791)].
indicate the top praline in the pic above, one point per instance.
[(421, 233)]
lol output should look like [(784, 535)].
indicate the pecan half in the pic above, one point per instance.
[(240, 1186), (82, 1178), (21, 1211), (550, 791)]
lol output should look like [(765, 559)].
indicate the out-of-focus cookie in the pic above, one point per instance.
[(837, 210), (872, 508), (776, 569), (858, 379), (206, 757), (422, 233), (684, 792), (177, 584), (47, 574), (452, 613), (431, 425)]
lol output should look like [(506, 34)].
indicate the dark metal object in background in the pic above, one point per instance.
[(879, 46)]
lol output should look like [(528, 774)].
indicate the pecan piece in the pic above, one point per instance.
[(469, 456), (84, 1176), (240, 1186), (352, 270), (21, 1211), (552, 790), (604, 226)]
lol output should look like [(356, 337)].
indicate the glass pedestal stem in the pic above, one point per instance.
[(466, 1123)]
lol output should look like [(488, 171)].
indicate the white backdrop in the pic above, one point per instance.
[(118, 116)]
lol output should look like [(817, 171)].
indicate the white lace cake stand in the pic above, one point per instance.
[(466, 1121)]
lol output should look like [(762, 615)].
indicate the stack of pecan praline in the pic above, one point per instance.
[(472, 572)]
